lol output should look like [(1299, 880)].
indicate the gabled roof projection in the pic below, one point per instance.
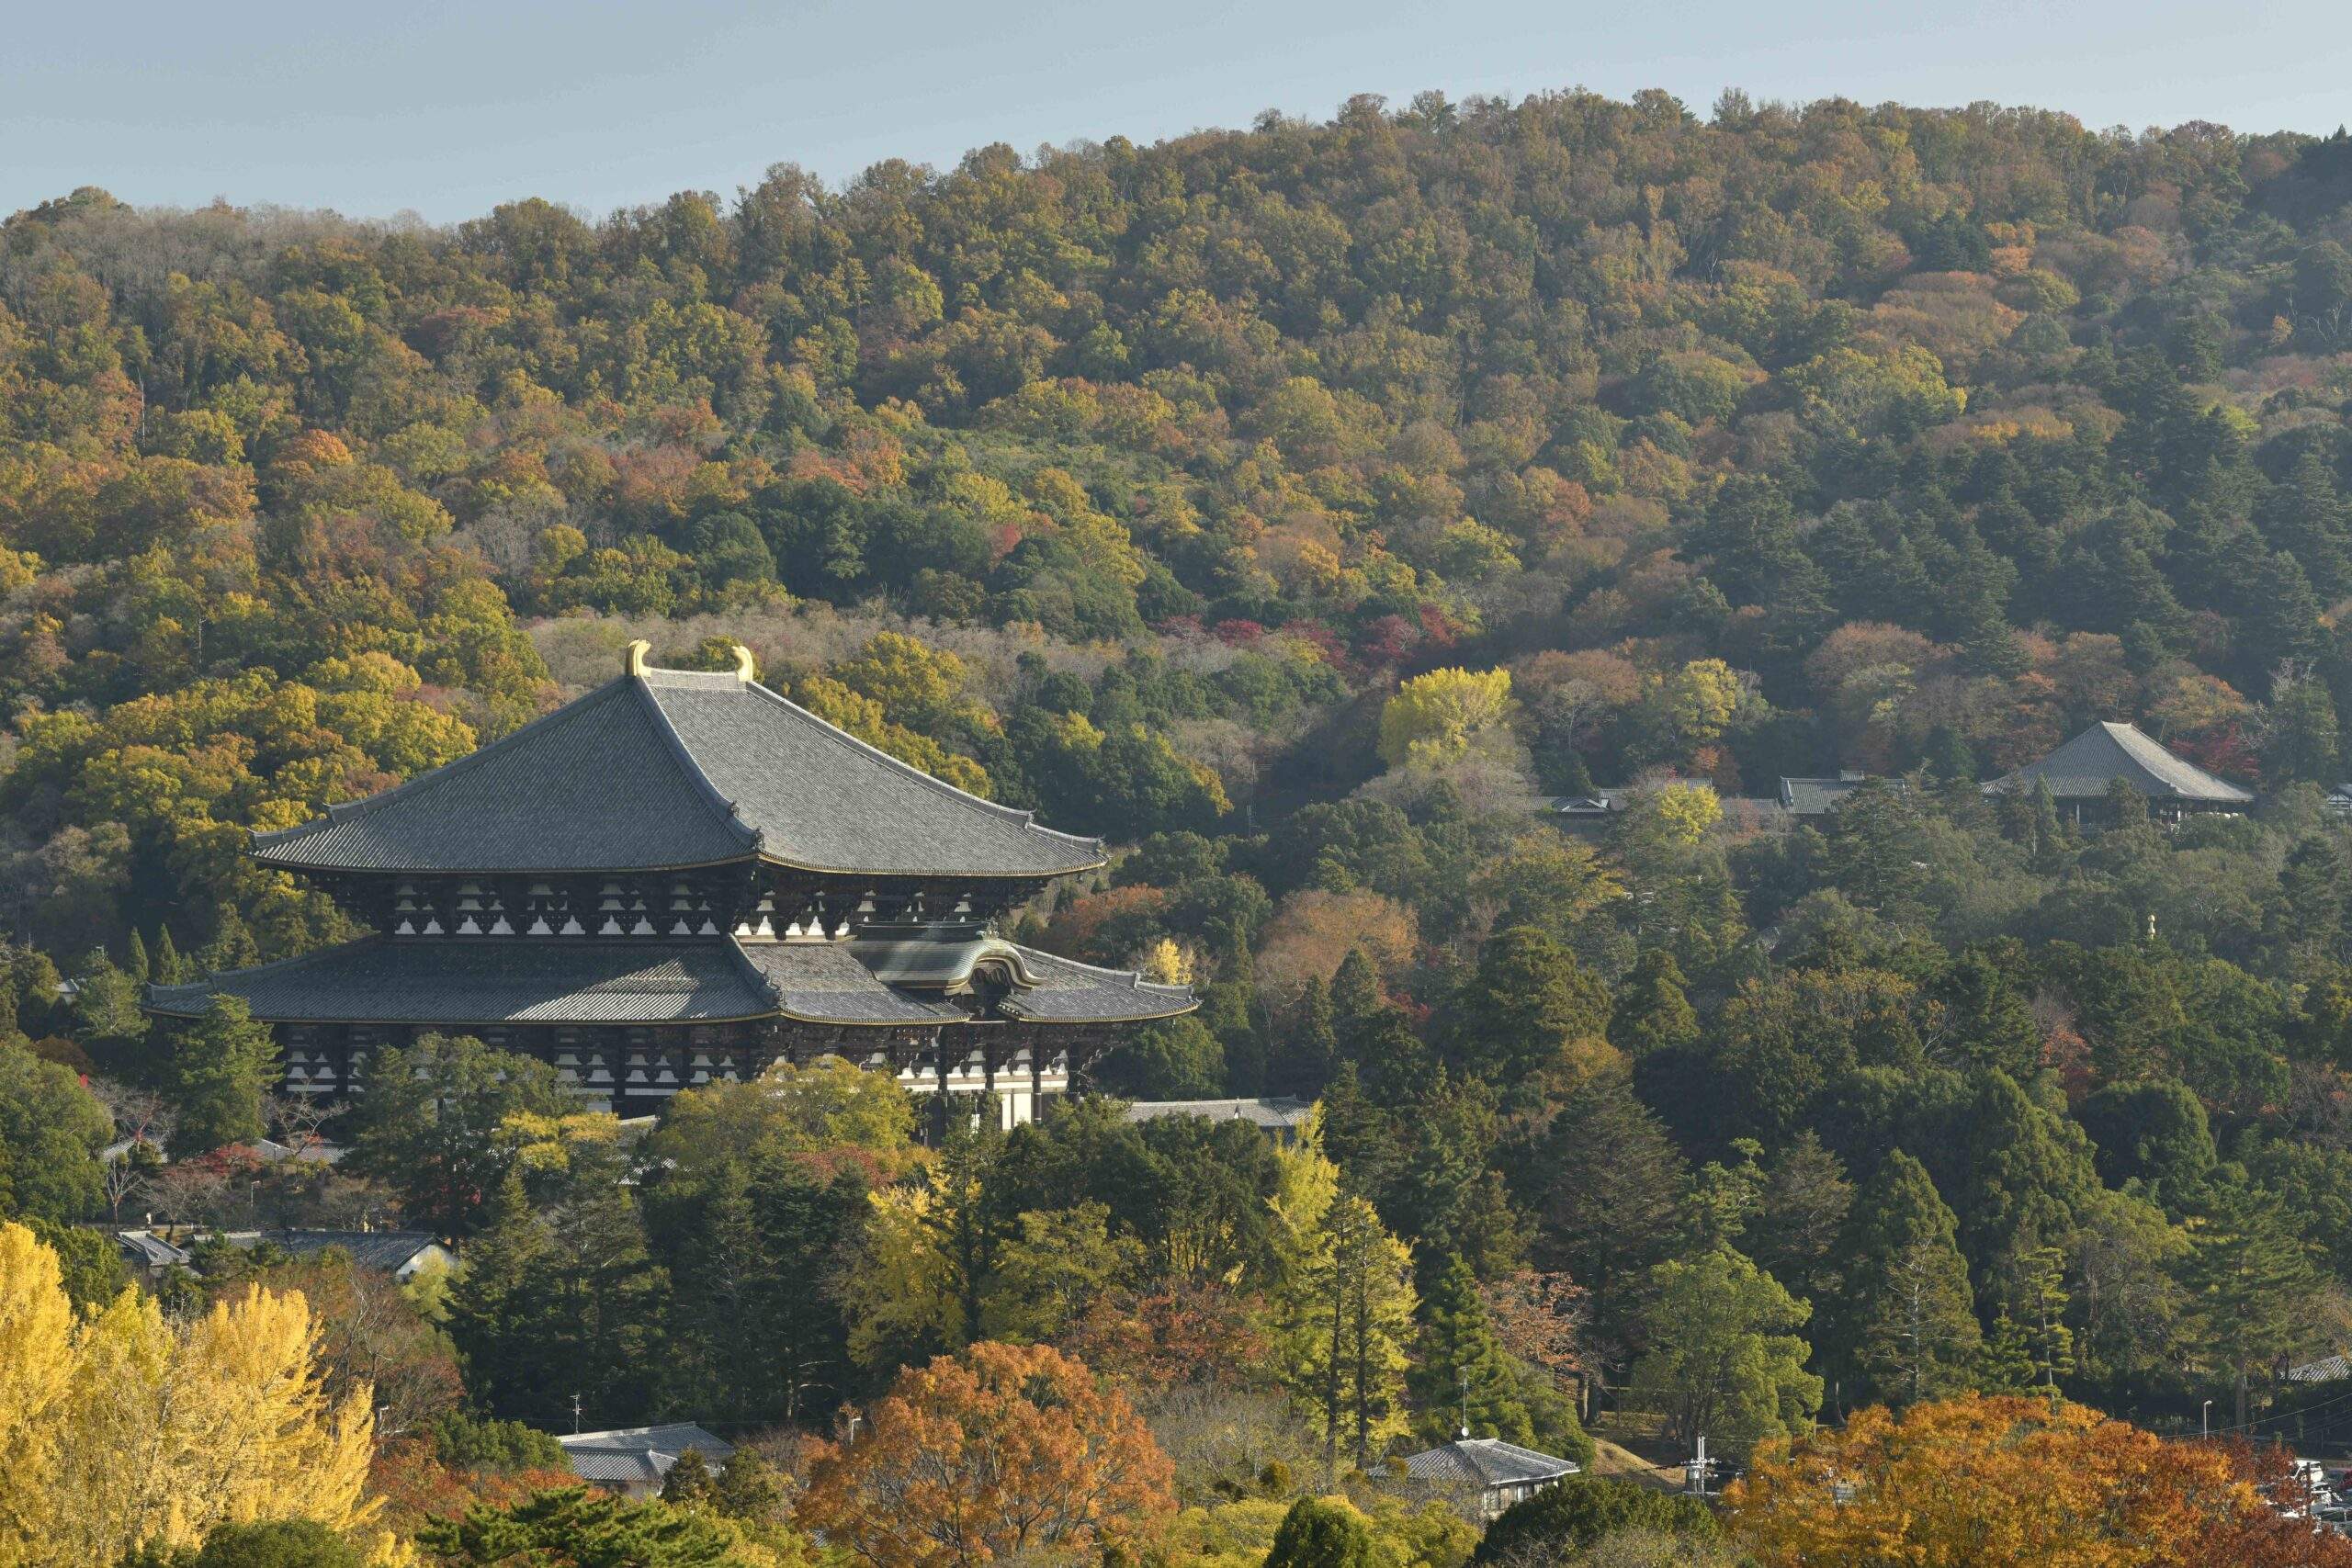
[(666, 768), (478, 980), (2085, 766), (467, 981)]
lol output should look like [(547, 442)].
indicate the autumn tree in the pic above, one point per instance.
[(2011, 1480), (133, 1430), (994, 1453), (1433, 718)]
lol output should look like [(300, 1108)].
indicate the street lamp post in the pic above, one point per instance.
[(2205, 1419)]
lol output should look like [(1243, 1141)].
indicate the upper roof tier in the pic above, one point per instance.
[(2084, 768), (669, 768)]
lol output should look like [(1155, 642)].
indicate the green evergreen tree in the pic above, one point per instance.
[(1316, 1534), (2301, 743), (1608, 1188), (1652, 1011), (1359, 1135), (219, 1068), (274, 1544), (1991, 1013), (1464, 1376), (2039, 1297), (1357, 1001), (137, 965), (169, 967), (690, 1484), (2026, 1170), (106, 1011), (1584, 1512), (2004, 1359), (429, 1125), (749, 1487), (1310, 1047), (1800, 1218), (496, 1308), (1529, 1012), (2253, 1287), (1906, 1318), (578, 1524), (232, 947)]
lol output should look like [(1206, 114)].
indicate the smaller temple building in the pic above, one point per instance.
[(682, 877), (2081, 773)]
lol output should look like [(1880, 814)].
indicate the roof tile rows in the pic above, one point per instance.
[(505, 980), (2087, 765), (1485, 1461), (666, 768)]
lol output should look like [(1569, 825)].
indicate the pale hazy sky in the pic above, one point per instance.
[(446, 108)]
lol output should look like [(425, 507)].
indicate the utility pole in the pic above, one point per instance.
[(1466, 1404), (575, 1416)]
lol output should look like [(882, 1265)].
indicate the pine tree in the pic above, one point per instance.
[(1608, 1194), (1464, 1376), (170, 969), (1310, 1047), (494, 1310), (232, 947), (221, 1068), (2038, 1290), (137, 965), (1652, 1010), (1906, 1316), (2253, 1286), (2004, 1361)]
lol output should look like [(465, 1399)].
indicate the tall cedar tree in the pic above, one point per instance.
[(1530, 1014), (219, 1068), (1464, 1377), (1607, 1189), (1905, 1320)]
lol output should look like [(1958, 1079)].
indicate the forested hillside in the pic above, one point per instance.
[(1293, 506)]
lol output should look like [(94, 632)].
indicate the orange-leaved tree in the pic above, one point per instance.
[(989, 1454), (2019, 1480)]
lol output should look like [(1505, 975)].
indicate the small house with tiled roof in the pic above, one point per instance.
[(2081, 774), (682, 877), (1498, 1473), (635, 1461)]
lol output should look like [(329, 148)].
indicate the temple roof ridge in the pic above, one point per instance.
[(674, 768)]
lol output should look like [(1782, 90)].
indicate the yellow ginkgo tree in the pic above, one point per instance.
[(126, 1429)]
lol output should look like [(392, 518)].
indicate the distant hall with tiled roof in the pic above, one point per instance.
[(681, 876)]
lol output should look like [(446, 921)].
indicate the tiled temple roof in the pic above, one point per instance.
[(665, 768), (462, 981), (2085, 766)]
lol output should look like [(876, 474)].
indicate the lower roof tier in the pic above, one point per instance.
[(916, 982)]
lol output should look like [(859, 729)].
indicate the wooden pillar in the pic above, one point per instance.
[(939, 1080), (1037, 1080)]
